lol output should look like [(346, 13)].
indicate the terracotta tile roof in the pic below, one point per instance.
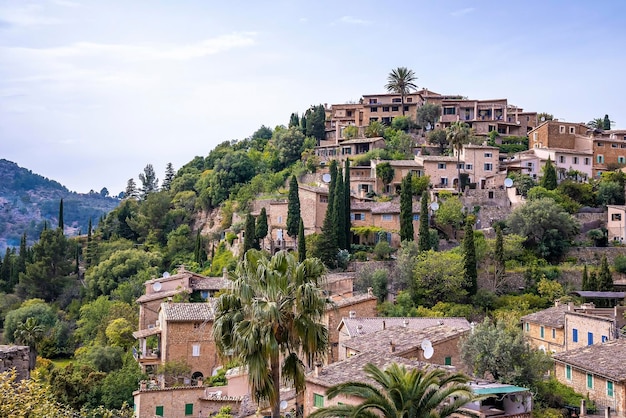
[(404, 163), (183, 312), (351, 300), (367, 325), (322, 190), (553, 317), (362, 141), (404, 339), (336, 277), (159, 295), (210, 283), (437, 158), (606, 359), (351, 369)]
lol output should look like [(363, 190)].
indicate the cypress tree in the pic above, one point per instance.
[(327, 250), (261, 225), (469, 257), (77, 260), (5, 271), (340, 212), (348, 209), (593, 281), (61, 225), (301, 242), (88, 259), (606, 123), (423, 244), (585, 280), (23, 255), (293, 208), (605, 278), (548, 180), (499, 267), (249, 237), (406, 209), (199, 254)]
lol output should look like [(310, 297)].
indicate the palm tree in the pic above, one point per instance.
[(458, 134), (597, 123), (402, 393), (30, 333), (401, 80), (273, 313)]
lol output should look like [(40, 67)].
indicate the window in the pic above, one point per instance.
[(616, 217), (600, 144), (318, 400), (416, 217), (406, 108), (571, 129), (562, 129), (449, 111), (587, 161), (605, 338), (527, 326), (620, 160), (568, 372), (542, 332), (460, 166), (396, 100), (394, 108), (280, 219), (323, 199), (441, 166), (488, 166), (444, 181), (575, 335), (373, 120), (349, 113), (609, 389), (195, 350), (600, 159), (374, 109), (490, 194), (358, 216), (534, 136), (158, 411), (562, 159), (385, 108), (468, 166), (447, 361), (346, 151), (409, 100), (188, 409), (613, 145), (488, 155), (373, 101), (590, 338), (589, 381), (575, 160), (553, 333), (387, 217)]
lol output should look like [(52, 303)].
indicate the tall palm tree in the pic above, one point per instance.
[(273, 312), (458, 134), (402, 393), (597, 123), (401, 80), (30, 333)]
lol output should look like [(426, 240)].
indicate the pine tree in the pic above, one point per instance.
[(424, 233), (469, 257), (348, 209), (293, 208), (149, 181), (249, 237), (585, 280), (340, 212), (169, 176), (548, 180), (261, 225), (406, 209), (301, 243), (131, 189), (605, 278), (499, 266), (61, 225)]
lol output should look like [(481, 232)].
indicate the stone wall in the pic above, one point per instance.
[(15, 356)]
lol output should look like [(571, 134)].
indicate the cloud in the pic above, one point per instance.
[(144, 52), (29, 15), (351, 20), (462, 12)]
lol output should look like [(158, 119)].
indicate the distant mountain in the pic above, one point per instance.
[(28, 201)]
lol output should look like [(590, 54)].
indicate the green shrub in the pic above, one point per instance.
[(620, 263)]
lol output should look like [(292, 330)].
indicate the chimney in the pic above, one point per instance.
[(225, 273), (392, 347), (318, 369), (405, 323), (570, 306), (384, 324), (200, 382), (370, 292), (143, 385), (352, 314)]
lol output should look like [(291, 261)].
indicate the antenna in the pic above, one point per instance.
[(428, 352), (426, 343), (508, 182), (156, 286), (166, 274), (326, 178), (283, 405)]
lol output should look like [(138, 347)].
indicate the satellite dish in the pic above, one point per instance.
[(156, 286), (425, 344), (434, 206), (283, 405), (166, 274), (508, 182), (428, 352), (326, 178)]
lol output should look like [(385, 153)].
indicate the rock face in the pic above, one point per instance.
[(15, 356)]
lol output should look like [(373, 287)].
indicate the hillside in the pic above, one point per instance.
[(28, 200)]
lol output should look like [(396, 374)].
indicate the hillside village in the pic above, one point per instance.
[(511, 215)]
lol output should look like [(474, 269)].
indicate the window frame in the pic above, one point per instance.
[(195, 350), (318, 400)]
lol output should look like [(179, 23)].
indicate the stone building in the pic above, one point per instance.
[(15, 357)]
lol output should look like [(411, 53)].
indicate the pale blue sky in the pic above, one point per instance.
[(92, 91)]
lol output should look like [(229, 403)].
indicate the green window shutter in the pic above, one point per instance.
[(159, 411), (318, 400), (568, 372), (188, 409), (448, 361), (589, 381), (541, 331), (609, 389)]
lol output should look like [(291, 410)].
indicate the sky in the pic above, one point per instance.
[(91, 91)]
